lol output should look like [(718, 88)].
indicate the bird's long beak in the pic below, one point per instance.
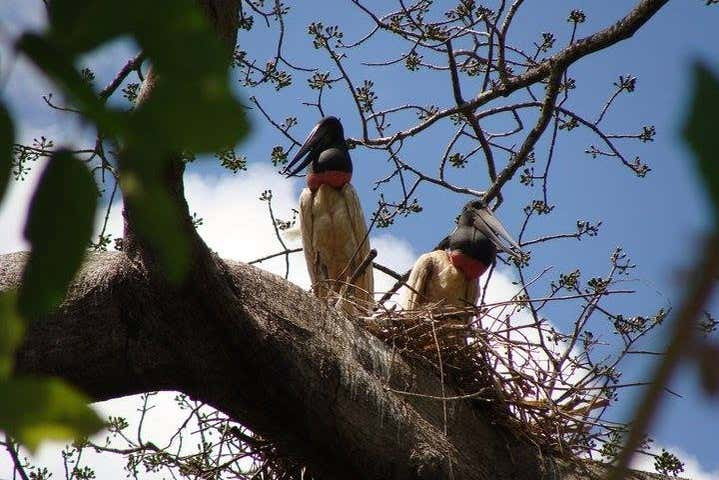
[(493, 228), (311, 140)]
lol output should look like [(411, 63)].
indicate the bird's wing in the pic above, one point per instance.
[(306, 224), (359, 227), (419, 282), (496, 231)]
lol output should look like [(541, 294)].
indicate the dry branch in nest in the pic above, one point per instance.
[(541, 391)]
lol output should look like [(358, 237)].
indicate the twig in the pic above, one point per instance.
[(129, 67), (10, 446), (363, 266), (521, 156), (284, 252), (401, 280), (621, 30), (468, 396)]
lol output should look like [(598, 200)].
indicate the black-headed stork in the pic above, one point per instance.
[(334, 232)]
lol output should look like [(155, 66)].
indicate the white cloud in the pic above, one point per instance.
[(693, 469), (235, 223), (237, 226), (13, 211)]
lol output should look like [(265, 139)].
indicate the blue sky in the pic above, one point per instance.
[(659, 220)]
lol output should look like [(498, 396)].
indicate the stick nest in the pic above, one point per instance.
[(542, 392)]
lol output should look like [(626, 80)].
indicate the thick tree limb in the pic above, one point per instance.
[(276, 359)]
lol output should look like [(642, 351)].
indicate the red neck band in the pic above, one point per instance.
[(333, 178), (471, 268)]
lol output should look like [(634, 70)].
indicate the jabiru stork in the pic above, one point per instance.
[(334, 232), (450, 273)]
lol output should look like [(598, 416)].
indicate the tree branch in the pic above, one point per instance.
[(276, 359), (130, 66), (621, 30)]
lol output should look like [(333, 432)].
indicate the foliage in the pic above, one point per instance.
[(700, 132), (12, 329), (60, 223), (33, 410), (668, 464)]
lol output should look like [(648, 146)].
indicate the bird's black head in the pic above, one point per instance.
[(327, 133), (475, 214), (469, 212), (332, 128)]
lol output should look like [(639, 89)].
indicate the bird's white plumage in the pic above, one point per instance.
[(335, 241), (435, 280)]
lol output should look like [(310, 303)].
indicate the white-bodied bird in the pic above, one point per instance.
[(334, 232), (450, 273)]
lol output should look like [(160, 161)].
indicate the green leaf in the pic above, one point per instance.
[(160, 27), (198, 116), (7, 138), (12, 330), (37, 409), (192, 107), (59, 227), (79, 27), (700, 130), (59, 66)]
